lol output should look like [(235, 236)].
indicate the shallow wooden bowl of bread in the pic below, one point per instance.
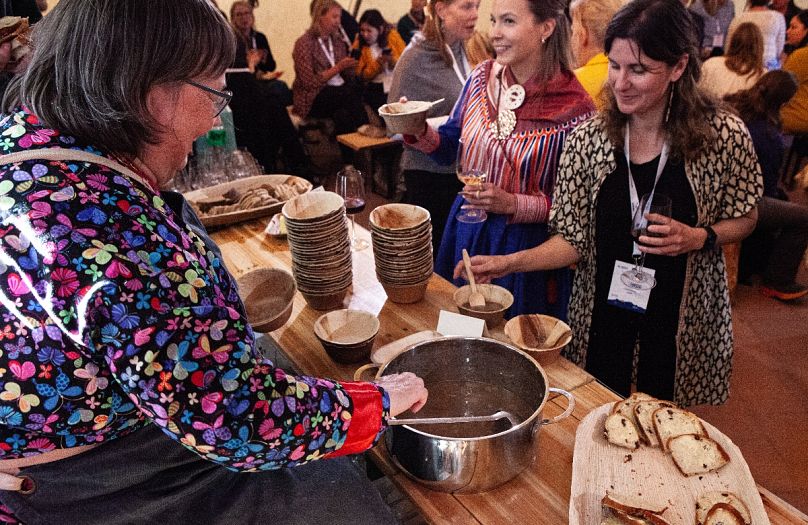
[(530, 333), (268, 295)]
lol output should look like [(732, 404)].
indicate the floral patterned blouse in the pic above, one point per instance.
[(116, 314)]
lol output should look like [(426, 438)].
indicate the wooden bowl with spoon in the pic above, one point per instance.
[(542, 336)]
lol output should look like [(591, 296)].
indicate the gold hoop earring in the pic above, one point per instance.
[(670, 102)]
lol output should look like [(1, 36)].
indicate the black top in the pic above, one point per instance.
[(26, 8), (613, 238), (261, 42)]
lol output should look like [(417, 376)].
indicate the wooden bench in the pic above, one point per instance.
[(373, 153)]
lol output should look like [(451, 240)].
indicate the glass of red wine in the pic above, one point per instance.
[(650, 203), (351, 187)]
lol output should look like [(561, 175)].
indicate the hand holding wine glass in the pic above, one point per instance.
[(351, 187), (469, 177), (651, 203)]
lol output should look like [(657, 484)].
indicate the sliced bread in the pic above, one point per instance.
[(617, 517), (723, 514), (697, 454), (634, 506), (644, 414), (670, 422), (626, 406), (709, 499), (620, 431)]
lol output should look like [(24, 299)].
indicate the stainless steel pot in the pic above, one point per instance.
[(469, 376)]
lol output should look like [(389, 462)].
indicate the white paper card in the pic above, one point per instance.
[(450, 323), (624, 296)]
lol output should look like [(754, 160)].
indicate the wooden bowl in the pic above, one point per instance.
[(327, 301), (497, 302), (395, 217), (408, 118), (406, 294), (311, 207), (347, 335), (268, 295), (529, 331)]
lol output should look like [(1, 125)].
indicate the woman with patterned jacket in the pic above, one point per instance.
[(131, 388), (659, 134), (513, 117)]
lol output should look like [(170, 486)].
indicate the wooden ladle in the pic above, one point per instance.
[(476, 299)]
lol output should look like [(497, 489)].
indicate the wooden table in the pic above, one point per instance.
[(366, 149), (540, 494)]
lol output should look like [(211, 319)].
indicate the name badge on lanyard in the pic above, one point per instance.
[(623, 294)]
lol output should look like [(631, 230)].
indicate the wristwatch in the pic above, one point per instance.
[(709, 242)]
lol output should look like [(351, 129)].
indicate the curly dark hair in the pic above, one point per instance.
[(663, 31)]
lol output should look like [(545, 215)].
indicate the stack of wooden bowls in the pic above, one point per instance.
[(402, 249), (317, 230)]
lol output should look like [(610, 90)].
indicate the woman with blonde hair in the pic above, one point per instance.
[(772, 27), (435, 66), (325, 75), (739, 68), (513, 116), (589, 21)]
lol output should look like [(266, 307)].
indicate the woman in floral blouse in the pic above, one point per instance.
[(124, 342), (658, 134)]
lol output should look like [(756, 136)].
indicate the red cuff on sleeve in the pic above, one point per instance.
[(366, 420)]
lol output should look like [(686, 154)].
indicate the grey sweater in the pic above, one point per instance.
[(421, 74)]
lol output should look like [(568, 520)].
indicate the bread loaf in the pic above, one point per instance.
[(670, 422), (620, 431), (710, 499), (697, 454)]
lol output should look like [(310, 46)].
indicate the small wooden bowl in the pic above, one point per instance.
[(347, 335), (311, 207), (395, 217), (327, 301), (409, 118), (406, 294), (497, 302), (268, 295), (528, 332)]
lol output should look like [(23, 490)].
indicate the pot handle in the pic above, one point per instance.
[(362, 369), (567, 412)]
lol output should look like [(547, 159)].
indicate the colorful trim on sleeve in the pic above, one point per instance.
[(371, 408)]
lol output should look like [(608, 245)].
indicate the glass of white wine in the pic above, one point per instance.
[(469, 177)]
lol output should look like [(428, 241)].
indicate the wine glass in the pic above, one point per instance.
[(650, 203), (351, 187), (469, 177)]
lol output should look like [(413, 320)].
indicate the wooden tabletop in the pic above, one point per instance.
[(356, 141), (540, 494)]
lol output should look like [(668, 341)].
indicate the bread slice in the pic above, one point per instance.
[(626, 406), (697, 454), (620, 431), (709, 499), (723, 514), (671, 421), (633, 510), (644, 414)]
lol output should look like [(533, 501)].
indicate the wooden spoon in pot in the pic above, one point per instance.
[(476, 299)]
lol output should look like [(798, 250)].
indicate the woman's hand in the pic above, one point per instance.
[(671, 237), (406, 391), (254, 57), (485, 268), (346, 63), (490, 197)]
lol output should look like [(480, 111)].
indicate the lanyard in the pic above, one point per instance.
[(632, 188), (329, 53), (456, 66)]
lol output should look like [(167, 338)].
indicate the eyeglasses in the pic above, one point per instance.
[(224, 96)]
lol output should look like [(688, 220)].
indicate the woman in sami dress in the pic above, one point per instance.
[(132, 391), (513, 117)]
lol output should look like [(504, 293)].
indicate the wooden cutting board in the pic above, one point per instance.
[(598, 466)]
